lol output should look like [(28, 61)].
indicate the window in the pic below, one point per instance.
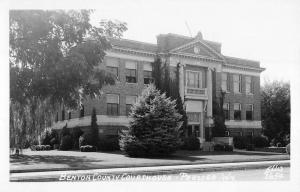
[(226, 110), (249, 112), (148, 73), (130, 100), (225, 82), (69, 113), (237, 111), (237, 83), (113, 70), (130, 71), (112, 66), (193, 116), (81, 113), (63, 114), (194, 79), (112, 101), (249, 85)]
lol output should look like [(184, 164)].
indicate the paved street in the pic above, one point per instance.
[(270, 170)]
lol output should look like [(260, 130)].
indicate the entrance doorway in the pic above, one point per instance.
[(194, 130)]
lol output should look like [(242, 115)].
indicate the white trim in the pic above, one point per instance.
[(191, 44), (243, 124), (195, 62), (243, 71), (86, 121), (130, 57)]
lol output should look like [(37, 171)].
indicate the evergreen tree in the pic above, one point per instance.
[(94, 129), (154, 129), (167, 83), (157, 73), (219, 117)]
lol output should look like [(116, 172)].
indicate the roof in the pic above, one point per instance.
[(176, 40), (241, 62), (131, 44)]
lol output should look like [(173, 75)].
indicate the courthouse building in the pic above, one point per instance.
[(204, 71)]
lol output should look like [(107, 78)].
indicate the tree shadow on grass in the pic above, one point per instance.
[(71, 161)]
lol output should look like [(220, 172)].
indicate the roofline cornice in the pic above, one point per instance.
[(133, 51)]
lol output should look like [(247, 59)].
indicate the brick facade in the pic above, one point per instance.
[(176, 49)]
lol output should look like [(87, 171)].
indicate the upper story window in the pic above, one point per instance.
[(226, 110), (112, 101), (237, 111), (225, 82), (148, 73), (131, 72), (130, 100), (112, 66), (249, 85), (237, 83), (249, 112), (194, 79)]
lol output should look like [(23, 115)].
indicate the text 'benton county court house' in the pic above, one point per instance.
[(200, 62)]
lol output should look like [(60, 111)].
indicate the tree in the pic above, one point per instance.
[(275, 106), (154, 129), (157, 74), (94, 129), (218, 115), (165, 84), (53, 57)]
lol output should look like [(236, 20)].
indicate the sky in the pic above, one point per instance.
[(265, 31)]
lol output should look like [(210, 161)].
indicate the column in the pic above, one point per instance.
[(181, 81), (209, 93)]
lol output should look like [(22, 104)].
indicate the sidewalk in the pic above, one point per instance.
[(118, 173), (38, 161)]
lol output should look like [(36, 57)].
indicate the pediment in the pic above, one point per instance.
[(197, 48)]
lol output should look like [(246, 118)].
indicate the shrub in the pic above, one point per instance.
[(218, 147), (81, 141), (66, 143), (191, 143), (40, 147), (240, 142), (53, 141), (88, 148), (250, 147), (109, 144), (260, 141), (94, 129), (223, 147), (45, 140), (76, 133), (228, 147), (154, 129)]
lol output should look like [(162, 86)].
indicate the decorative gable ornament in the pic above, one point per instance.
[(197, 49)]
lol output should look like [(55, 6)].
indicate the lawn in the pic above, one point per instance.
[(74, 160)]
